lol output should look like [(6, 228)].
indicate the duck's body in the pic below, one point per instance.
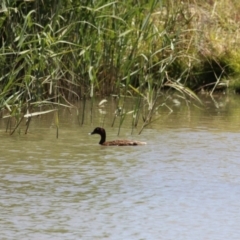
[(102, 133)]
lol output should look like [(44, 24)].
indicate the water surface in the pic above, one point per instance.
[(185, 184)]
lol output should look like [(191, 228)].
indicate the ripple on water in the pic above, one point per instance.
[(183, 185)]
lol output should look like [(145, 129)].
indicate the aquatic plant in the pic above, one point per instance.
[(54, 53)]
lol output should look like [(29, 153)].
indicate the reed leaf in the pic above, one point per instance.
[(38, 113), (185, 90)]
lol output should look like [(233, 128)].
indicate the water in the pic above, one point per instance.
[(185, 184)]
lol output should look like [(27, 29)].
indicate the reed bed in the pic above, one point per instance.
[(56, 52)]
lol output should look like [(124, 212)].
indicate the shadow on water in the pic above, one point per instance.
[(183, 185)]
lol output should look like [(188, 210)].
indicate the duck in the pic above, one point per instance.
[(102, 133)]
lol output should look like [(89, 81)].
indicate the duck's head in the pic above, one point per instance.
[(98, 130)]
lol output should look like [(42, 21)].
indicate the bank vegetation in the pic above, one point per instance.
[(56, 52)]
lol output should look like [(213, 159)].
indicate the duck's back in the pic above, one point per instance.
[(123, 143)]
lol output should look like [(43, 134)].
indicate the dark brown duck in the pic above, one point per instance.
[(102, 133)]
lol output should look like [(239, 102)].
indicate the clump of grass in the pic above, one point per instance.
[(217, 34), (233, 60), (233, 63)]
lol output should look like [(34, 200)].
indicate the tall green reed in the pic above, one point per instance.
[(59, 52)]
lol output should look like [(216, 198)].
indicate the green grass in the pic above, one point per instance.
[(58, 52)]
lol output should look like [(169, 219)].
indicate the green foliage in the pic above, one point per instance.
[(60, 51), (233, 60)]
